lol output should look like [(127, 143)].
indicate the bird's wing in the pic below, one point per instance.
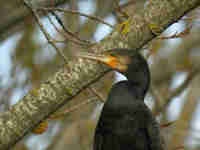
[(121, 133), (107, 136), (129, 130), (105, 141)]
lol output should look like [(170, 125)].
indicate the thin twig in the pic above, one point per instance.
[(176, 92), (157, 97), (67, 30), (119, 10), (64, 113), (53, 24), (98, 94), (74, 41), (165, 125), (46, 34), (131, 2), (63, 34), (76, 13)]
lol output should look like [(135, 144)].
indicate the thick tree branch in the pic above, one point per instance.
[(17, 12), (70, 79)]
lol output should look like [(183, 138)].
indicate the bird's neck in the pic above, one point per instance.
[(139, 82), (138, 89)]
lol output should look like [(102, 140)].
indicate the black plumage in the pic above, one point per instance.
[(126, 123)]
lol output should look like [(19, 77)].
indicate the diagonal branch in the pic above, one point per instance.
[(17, 13), (46, 34), (76, 13), (73, 77), (175, 93)]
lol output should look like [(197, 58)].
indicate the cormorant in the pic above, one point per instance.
[(126, 123)]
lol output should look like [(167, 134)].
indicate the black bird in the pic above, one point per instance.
[(126, 123)]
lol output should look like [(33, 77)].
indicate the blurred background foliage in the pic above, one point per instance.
[(27, 60)]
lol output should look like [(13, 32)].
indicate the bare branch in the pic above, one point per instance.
[(67, 30), (76, 13), (175, 93), (98, 94), (46, 34), (74, 108), (65, 36)]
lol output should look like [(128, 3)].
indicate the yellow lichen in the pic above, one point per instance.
[(125, 27), (41, 128), (155, 29), (34, 92)]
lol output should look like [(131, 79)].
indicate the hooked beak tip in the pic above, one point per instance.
[(103, 58)]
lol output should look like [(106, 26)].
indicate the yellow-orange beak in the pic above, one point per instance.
[(107, 59)]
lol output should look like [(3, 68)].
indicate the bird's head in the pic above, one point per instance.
[(128, 62), (117, 59)]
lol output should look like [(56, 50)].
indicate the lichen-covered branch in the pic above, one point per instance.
[(70, 79)]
